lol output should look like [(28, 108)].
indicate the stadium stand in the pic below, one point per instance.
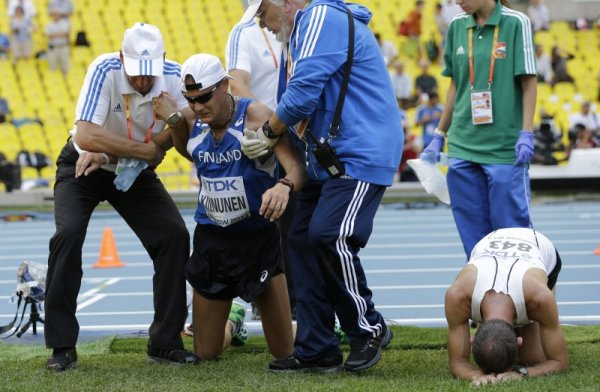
[(193, 26)]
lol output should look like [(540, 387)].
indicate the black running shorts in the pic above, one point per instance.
[(227, 265)]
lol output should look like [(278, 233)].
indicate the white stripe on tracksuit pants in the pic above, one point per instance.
[(332, 222)]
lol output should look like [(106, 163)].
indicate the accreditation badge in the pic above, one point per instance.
[(481, 107)]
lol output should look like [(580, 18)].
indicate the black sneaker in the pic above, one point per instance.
[(365, 352), (330, 363), (173, 357), (62, 359), (387, 338)]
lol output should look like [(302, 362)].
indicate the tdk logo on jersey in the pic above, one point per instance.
[(460, 50), (145, 53), (117, 109), (266, 53), (220, 185)]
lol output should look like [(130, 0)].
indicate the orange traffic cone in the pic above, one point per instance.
[(597, 250), (109, 257)]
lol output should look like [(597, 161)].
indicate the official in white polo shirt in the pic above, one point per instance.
[(120, 121)]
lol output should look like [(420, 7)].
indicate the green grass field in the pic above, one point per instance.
[(415, 361)]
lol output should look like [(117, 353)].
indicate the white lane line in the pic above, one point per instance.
[(365, 257), (90, 301), (94, 293)]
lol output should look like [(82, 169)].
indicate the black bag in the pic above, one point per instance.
[(81, 39)]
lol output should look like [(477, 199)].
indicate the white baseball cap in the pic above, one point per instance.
[(250, 13), (206, 69), (143, 50)]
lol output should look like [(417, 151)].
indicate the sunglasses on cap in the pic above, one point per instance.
[(204, 98)]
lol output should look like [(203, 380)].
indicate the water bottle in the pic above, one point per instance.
[(127, 171)]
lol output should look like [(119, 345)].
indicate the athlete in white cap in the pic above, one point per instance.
[(119, 118), (236, 245)]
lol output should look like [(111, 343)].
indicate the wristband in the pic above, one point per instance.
[(287, 182), (105, 157), (440, 133)]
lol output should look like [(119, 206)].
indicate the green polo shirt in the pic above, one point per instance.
[(488, 143)]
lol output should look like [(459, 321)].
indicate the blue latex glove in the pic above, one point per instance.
[(130, 171), (524, 148), (431, 153)]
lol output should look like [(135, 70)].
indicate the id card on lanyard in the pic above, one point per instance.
[(481, 100), (130, 162)]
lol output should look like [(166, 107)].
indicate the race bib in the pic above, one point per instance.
[(481, 107), (224, 200)]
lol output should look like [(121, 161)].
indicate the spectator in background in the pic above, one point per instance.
[(57, 31), (388, 49), (428, 116), (21, 27), (410, 151), (547, 140), (582, 137), (585, 116), (63, 7), (539, 15), (4, 46), (543, 65), (4, 110), (448, 10), (403, 85), (425, 83), (559, 66), (411, 28), (27, 5)]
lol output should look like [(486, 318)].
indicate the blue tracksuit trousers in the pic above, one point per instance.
[(332, 222)]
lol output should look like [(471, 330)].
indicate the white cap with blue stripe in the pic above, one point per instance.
[(143, 50)]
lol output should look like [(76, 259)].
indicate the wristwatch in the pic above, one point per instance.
[(522, 370), (174, 118), (268, 131)]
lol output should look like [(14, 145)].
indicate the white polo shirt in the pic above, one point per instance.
[(102, 99), (256, 51)]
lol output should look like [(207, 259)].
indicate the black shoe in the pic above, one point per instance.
[(330, 363), (365, 352), (62, 359), (174, 357), (387, 338)]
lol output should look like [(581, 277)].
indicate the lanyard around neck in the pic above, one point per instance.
[(492, 59), (128, 115)]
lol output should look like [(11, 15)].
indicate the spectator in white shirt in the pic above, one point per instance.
[(543, 65), (403, 85), (539, 15), (585, 116), (388, 49)]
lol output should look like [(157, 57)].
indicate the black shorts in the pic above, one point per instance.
[(227, 265), (553, 275)]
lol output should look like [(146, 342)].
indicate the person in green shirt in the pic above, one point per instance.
[(490, 58)]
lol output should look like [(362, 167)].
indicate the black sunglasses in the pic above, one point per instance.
[(204, 98)]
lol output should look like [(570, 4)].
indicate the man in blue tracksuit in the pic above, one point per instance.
[(334, 216)]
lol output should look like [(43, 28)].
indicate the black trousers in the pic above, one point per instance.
[(151, 213)]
